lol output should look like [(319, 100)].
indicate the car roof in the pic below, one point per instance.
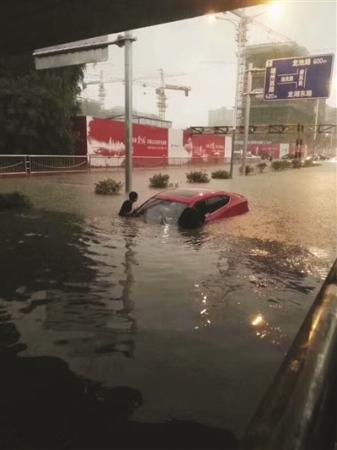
[(188, 195)]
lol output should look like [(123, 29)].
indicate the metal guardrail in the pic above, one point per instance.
[(33, 164), (99, 161), (12, 164), (58, 163), (43, 164), (298, 411)]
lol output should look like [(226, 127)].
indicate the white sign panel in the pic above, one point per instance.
[(71, 54)]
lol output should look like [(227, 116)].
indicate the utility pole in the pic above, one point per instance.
[(241, 38), (248, 94), (128, 39), (316, 124), (232, 154)]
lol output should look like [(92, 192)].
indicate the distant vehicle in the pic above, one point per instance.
[(238, 154), (167, 206), (302, 160), (252, 157), (288, 156)]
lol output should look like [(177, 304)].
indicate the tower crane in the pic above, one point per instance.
[(161, 94), (159, 88)]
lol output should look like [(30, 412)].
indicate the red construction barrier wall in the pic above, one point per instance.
[(107, 138), (104, 141)]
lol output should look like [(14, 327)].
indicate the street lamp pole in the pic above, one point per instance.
[(316, 124), (241, 27), (241, 37), (248, 94), (128, 110)]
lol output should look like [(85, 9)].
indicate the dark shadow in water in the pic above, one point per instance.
[(123, 340), (43, 405), (42, 251), (130, 234), (44, 261)]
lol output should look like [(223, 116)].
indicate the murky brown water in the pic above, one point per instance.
[(191, 325)]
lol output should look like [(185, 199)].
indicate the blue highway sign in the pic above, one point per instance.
[(298, 77)]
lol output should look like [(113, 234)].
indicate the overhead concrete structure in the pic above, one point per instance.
[(28, 25)]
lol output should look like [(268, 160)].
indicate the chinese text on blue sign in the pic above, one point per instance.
[(298, 77)]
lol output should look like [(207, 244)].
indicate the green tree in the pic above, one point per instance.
[(36, 107)]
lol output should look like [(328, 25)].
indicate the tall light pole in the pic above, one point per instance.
[(241, 28), (316, 124), (248, 94), (243, 89), (128, 39), (241, 38)]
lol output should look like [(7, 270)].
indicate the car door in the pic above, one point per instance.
[(217, 207)]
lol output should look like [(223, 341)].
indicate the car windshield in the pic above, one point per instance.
[(160, 211)]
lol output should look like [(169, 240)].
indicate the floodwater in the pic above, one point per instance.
[(120, 334)]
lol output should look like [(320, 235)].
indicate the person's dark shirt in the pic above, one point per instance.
[(191, 218), (126, 208)]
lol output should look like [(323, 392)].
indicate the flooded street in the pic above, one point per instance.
[(147, 325)]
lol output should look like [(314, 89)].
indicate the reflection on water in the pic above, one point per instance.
[(146, 324)]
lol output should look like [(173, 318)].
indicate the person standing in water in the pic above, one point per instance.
[(191, 218), (126, 208)]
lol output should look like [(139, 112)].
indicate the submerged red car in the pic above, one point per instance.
[(167, 206)]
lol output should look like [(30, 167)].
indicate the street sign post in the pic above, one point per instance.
[(297, 78), (96, 50)]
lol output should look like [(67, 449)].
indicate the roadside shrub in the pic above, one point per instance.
[(261, 166), (108, 187), (296, 163), (221, 174), (197, 177), (249, 169), (281, 164), (308, 163), (14, 200), (278, 164), (159, 181)]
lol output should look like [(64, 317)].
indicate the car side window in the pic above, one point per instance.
[(215, 203), (149, 204)]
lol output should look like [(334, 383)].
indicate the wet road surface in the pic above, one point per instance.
[(116, 332)]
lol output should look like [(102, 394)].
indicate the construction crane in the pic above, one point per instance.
[(159, 89), (101, 82)]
